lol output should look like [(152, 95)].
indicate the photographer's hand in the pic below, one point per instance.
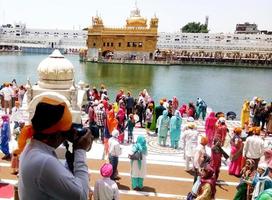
[(85, 142)]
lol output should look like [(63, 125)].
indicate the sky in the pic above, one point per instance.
[(172, 14)]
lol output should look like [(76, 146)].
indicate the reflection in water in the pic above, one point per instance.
[(115, 76), (223, 88)]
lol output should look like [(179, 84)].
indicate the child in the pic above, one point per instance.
[(106, 188), (256, 182), (245, 189), (149, 117), (130, 125), (15, 162)]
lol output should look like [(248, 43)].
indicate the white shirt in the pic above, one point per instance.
[(43, 176), (106, 189), (16, 114), (199, 155), (254, 147), (114, 147), (7, 93), (190, 137)]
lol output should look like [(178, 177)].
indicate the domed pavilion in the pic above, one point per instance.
[(56, 80)]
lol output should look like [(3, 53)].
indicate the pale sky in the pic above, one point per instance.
[(172, 14)]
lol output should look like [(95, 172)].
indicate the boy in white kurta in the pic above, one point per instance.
[(106, 188)]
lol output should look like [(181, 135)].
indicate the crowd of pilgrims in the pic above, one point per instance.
[(249, 158)]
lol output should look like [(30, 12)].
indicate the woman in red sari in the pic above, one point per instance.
[(236, 152), (210, 127)]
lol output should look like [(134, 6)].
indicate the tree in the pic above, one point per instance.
[(193, 27)]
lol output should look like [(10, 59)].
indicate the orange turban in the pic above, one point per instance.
[(51, 116), (251, 129), (204, 140), (237, 130), (257, 131)]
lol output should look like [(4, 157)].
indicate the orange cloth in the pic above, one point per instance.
[(26, 133), (64, 124), (112, 122), (237, 130), (204, 140)]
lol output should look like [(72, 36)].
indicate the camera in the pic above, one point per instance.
[(77, 131)]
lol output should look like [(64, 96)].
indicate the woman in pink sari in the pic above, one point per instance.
[(236, 153), (210, 127)]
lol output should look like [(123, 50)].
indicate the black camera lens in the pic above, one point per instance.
[(81, 131)]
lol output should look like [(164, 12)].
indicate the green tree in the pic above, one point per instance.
[(193, 27)]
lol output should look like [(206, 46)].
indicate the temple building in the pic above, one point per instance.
[(135, 40)]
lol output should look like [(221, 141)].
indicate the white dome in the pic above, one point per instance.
[(55, 72)]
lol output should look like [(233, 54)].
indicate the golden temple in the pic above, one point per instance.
[(135, 40)]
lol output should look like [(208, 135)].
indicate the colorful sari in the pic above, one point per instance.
[(236, 156), (210, 127)]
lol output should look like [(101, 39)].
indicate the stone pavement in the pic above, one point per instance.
[(166, 178)]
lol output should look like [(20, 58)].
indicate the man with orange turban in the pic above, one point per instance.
[(200, 156), (42, 175), (254, 147)]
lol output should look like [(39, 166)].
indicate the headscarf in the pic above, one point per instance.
[(270, 165), (140, 146), (262, 165), (112, 122), (106, 170), (266, 194), (177, 114), (183, 109), (164, 114), (60, 120), (175, 102), (211, 120), (268, 155)]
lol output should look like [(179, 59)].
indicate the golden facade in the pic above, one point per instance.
[(136, 38)]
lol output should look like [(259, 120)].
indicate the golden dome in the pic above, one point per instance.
[(135, 19)]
